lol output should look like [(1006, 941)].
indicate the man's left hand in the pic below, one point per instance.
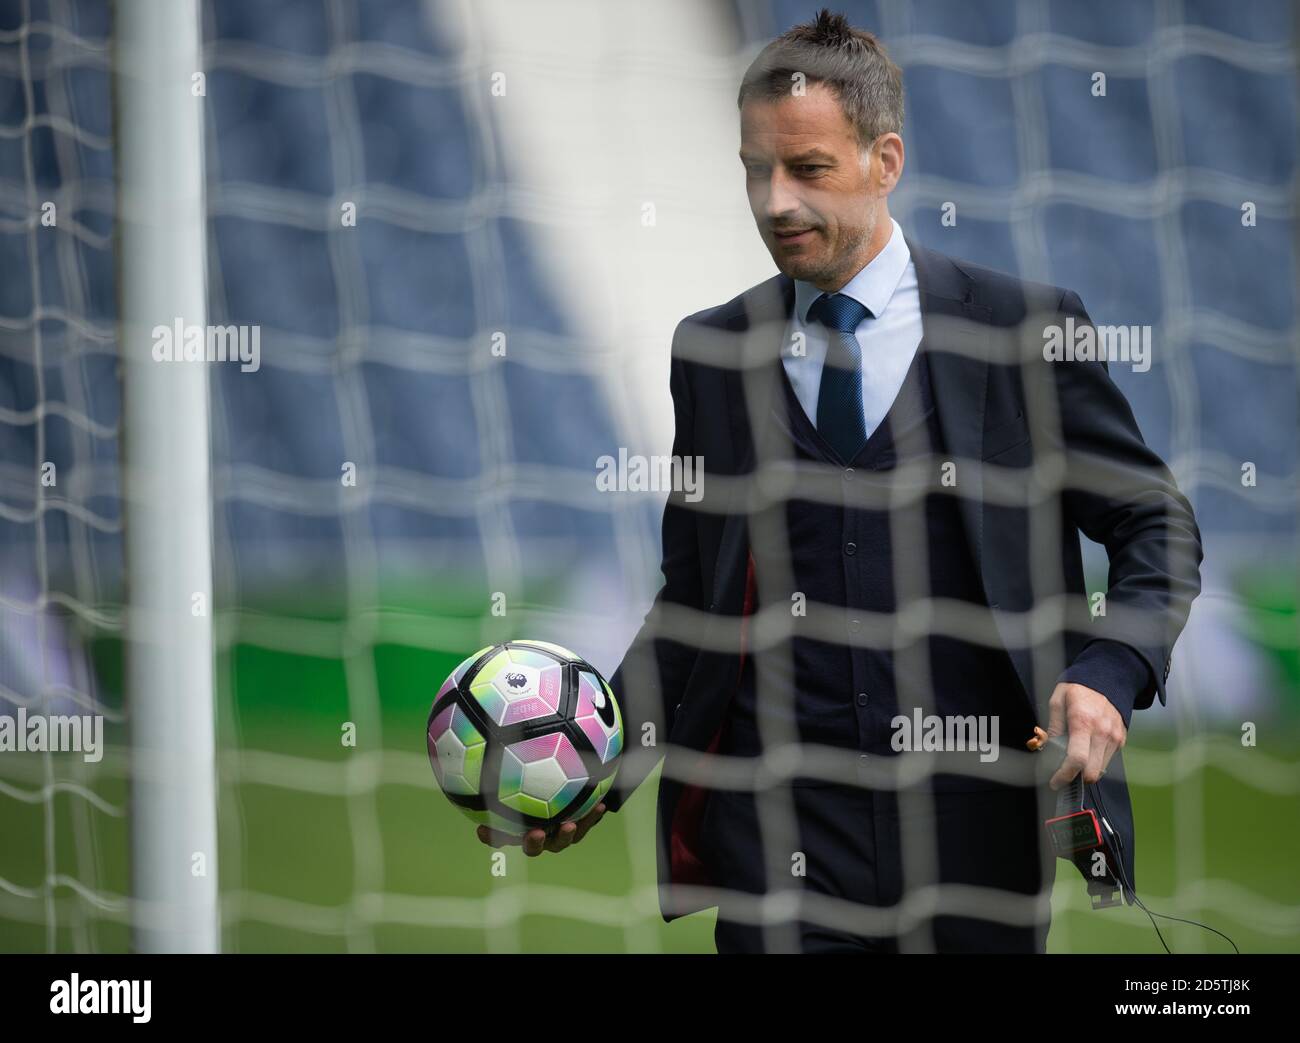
[(1093, 727)]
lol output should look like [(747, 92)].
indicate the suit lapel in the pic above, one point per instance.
[(751, 381), (958, 337), (955, 336)]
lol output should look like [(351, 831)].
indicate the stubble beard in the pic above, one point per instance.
[(843, 266)]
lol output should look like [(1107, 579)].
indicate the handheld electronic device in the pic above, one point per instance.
[(1079, 832)]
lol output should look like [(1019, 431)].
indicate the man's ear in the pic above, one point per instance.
[(888, 149)]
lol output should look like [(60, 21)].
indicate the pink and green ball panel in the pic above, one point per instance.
[(518, 685), (456, 750), (593, 798), (606, 740), (541, 776)]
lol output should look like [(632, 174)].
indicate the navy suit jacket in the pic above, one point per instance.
[(1002, 407)]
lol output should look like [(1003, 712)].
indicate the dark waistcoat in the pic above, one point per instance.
[(850, 565)]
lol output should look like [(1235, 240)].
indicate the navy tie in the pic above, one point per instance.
[(839, 401)]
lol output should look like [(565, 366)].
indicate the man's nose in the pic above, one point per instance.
[(781, 197)]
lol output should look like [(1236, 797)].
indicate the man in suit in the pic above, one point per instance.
[(896, 474)]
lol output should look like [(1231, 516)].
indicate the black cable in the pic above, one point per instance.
[(1119, 859)]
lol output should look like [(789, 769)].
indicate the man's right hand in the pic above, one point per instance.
[(535, 841)]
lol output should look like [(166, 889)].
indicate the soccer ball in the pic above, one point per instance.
[(525, 734)]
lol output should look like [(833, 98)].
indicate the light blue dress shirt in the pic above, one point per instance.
[(887, 285)]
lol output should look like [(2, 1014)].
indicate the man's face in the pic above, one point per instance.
[(814, 195)]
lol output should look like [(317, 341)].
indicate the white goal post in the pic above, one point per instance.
[(161, 242)]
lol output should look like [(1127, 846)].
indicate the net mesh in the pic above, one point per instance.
[(343, 604)]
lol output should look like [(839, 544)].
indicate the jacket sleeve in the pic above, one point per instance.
[(1122, 495), (1115, 670), (649, 682)]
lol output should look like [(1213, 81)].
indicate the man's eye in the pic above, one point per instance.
[(809, 168)]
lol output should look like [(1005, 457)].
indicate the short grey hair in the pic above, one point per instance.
[(851, 62)]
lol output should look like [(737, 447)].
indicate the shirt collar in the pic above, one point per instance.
[(874, 284)]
